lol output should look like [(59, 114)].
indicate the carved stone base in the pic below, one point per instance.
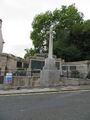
[(49, 76)]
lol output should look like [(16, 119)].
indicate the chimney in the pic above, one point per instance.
[(1, 37), (0, 23)]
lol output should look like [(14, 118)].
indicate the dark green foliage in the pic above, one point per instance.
[(29, 52)]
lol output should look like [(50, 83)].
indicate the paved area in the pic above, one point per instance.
[(65, 106), (43, 90), (26, 91)]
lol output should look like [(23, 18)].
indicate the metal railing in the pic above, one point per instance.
[(36, 73)]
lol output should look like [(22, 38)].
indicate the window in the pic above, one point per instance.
[(72, 67), (64, 67), (26, 65), (35, 64), (19, 64)]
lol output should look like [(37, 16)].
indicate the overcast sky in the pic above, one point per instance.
[(17, 16)]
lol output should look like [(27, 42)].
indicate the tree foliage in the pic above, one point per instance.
[(29, 52), (72, 34)]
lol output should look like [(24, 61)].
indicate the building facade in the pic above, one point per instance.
[(11, 63), (81, 68)]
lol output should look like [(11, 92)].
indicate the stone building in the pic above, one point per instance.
[(11, 63), (82, 67)]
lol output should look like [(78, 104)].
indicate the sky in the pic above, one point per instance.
[(18, 15)]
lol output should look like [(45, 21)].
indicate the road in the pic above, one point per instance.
[(56, 106)]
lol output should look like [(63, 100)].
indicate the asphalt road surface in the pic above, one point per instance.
[(57, 106)]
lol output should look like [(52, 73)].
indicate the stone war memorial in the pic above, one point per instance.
[(49, 76)]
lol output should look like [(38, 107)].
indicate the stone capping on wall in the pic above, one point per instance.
[(77, 62)]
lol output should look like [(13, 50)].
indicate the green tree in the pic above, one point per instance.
[(71, 38), (80, 36), (29, 52), (40, 26), (69, 18), (86, 39)]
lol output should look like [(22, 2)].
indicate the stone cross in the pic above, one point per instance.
[(50, 53)]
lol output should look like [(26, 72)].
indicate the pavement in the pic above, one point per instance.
[(44, 90)]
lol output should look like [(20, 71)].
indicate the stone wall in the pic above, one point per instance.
[(25, 81), (32, 82), (74, 81)]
